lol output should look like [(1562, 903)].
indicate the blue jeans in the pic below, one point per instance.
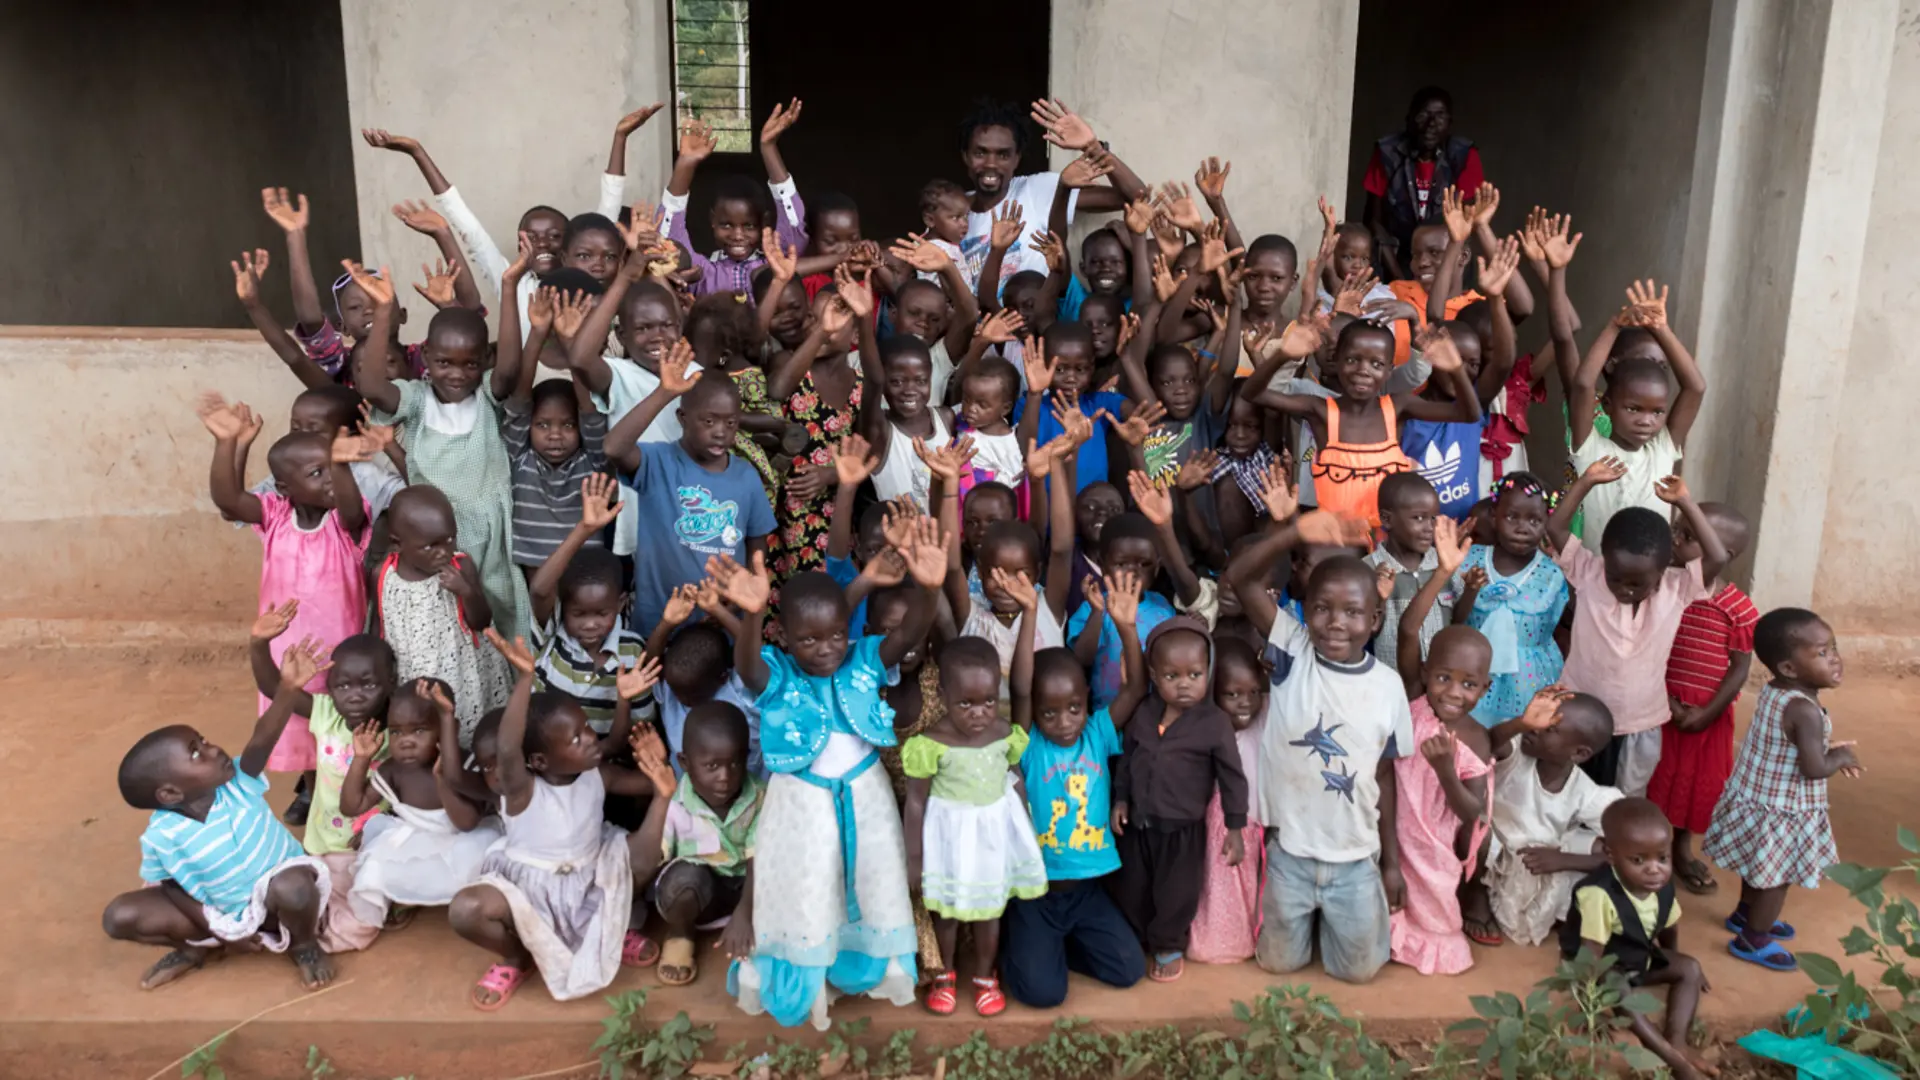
[(1351, 903)]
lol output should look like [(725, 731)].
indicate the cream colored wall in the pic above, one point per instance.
[(516, 103)]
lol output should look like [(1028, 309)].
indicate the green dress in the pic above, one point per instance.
[(978, 849), (458, 449)]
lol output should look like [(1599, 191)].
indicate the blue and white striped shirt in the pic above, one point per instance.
[(217, 861)]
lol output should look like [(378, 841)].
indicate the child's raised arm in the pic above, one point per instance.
[(1060, 494), (611, 194), (1446, 281), (1123, 606), (1519, 297), (1437, 347), (1583, 393), (223, 479), (1451, 544), (1652, 310), (507, 352), (348, 503), (651, 757), (1550, 235), (483, 255), (516, 782), (302, 663), (853, 462), (291, 215), (454, 272), (1210, 179), (1542, 712), (1156, 504), (1672, 490), (1008, 226), (782, 118), (1301, 339), (1065, 129), (370, 371), (357, 796), (623, 446), (599, 506), (267, 626), (945, 463), (682, 602), (927, 564), (1020, 676), (748, 590), (1501, 350), (1560, 522), (248, 270)]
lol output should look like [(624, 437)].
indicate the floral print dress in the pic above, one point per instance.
[(799, 540)]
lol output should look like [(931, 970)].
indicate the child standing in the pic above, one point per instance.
[(1712, 654), (1405, 561), (1771, 826), (739, 213), (1631, 600), (1228, 919), (1514, 593), (313, 530), (969, 840), (1179, 751), (831, 860), (581, 636)]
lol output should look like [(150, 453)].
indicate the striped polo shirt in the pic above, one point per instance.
[(217, 861), (565, 666)]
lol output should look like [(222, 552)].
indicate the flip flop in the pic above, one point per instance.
[(1167, 970), (678, 953), (987, 998), (1478, 932), (638, 950), (502, 980), (1737, 923), (942, 1000), (1697, 878), (1774, 957)]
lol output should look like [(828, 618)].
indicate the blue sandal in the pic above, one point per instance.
[(1737, 923), (1774, 957)]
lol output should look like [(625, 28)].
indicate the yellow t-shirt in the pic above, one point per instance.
[(1600, 920)]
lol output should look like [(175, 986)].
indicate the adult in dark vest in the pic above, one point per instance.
[(1410, 169)]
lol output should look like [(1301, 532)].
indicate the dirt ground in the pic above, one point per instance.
[(70, 1005)]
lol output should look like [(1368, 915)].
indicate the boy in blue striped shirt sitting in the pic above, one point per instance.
[(221, 869)]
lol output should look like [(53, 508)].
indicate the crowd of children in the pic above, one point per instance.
[(1180, 630)]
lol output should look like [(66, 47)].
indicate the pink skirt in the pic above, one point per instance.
[(295, 752), (1228, 918)]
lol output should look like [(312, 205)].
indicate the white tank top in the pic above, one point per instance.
[(903, 474)]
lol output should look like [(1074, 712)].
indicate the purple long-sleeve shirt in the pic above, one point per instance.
[(721, 273)]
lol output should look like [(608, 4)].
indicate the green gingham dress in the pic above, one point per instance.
[(458, 449)]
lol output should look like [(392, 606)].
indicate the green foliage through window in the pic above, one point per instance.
[(711, 70)]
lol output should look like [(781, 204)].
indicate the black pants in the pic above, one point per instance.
[(1162, 870), (1075, 927), (1604, 767)]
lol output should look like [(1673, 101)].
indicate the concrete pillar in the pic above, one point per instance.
[(516, 103), (1265, 83), (1789, 139)]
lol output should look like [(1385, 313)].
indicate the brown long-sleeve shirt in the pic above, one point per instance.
[(1167, 778)]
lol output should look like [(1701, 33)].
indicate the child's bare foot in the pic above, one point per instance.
[(316, 970), (177, 964)]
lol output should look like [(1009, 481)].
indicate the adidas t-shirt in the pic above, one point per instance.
[(1448, 455)]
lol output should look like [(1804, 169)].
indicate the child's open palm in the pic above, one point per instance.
[(853, 460), (1437, 346), (1451, 543), (642, 230), (540, 307), (247, 272), (707, 596), (1555, 243), (1495, 272), (1001, 327), (1050, 248), (1095, 596), (419, 217), (1533, 235), (438, 288), (570, 314), (1156, 504), (250, 423), (1352, 297), (1486, 202), (218, 417), (1063, 127), (886, 569), (1140, 216), (782, 258), (921, 254), (1213, 247), (855, 293), (1332, 530), (1385, 577), (434, 692), (782, 118), (947, 461), (274, 621), (1197, 471), (674, 376), (1605, 471), (1454, 213), (696, 140), (515, 651), (1543, 711), (1017, 586), (1211, 177), (368, 738), (1303, 336), (927, 559), (1076, 427), (302, 662), (896, 522), (650, 754), (598, 507), (1087, 169), (1276, 491), (288, 213), (378, 287), (1040, 458), (680, 604), (1039, 367), (1165, 282), (1123, 598), (1649, 307), (1671, 490), (633, 682), (746, 589), (348, 447), (1177, 202), (1134, 429)]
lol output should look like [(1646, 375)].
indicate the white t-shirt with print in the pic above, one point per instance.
[(1034, 193), (1328, 727)]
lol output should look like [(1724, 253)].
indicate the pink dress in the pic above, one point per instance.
[(1426, 933), (322, 568), (1228, 918)]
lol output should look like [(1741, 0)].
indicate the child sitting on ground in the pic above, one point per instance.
[(1627, 910), (969, 840), (1513, 592), (431, 843), (1546, 820), (1631, 600), (1227, 921), (1712, 653), (581, 636), (694, 852), (556, 892), (1328, 820), (429, 606), (1771, 826), (451, 423), (313, 530), (220, 870)]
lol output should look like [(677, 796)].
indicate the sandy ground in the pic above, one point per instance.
[(70, 1005)]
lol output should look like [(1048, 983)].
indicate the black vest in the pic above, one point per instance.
[(1403, 200), (1635, 951)]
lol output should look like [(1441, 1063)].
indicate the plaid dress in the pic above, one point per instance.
[(1771, 826)]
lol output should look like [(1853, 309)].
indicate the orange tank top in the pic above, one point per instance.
[(1346, 476)]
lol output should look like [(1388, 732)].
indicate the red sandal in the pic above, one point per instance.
[(941, 998), (987, 998)]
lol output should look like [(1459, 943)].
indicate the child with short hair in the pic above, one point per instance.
[(969, 840), (1627, 910), (326, 342), (451, 424), (1514, 593), (943, 219), (1771, 826), (939, 308), (739, 211), (1632, 598), (988, 391), (696, 667), (905, 409), (695, 850), (1328, 820), (436, 834), (219, 868), (1227, 921), (1648, 425), (557, 891), (313, 529), (1060, 376), (429, 605), (1406, 560), (831, 858), (1712, 653)]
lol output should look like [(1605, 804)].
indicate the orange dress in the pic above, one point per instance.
[(1347, 476)]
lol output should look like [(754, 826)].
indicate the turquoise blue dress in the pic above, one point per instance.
[(1518, 614)]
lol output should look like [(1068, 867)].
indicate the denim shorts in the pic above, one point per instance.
[(1352, 906)]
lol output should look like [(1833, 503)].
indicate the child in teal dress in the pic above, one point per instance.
[(1514, 593)]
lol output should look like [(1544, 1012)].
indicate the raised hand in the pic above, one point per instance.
[(1543, 711), (696, 140), (1329, 232), (1087, 169), (746, 589), (1076, 427), (1211, 177), (1304, 336), (1155, 504), (348, 447), (248, 269), (432, 691), (1123, 598), (634, 682), (288, 213), (1063, 128), (650, 757), (218, 417), (382, 139), (598, 500), (1197, 471), (1459, 222), (300, 664), (1018, 586), (1139, 216), (1485, 202), (378, 287), (921, 254), (1051, 249), (782, 118), (516, 651), (887, 569), (1438, 750), (1333, 530), (570, 315), (379, 436), (680, 604), (1437, 346), (1129, 329), (274, 621), (251, 423), (1605, 471), (1096, 598), (1557, 248), (1177, 201), (540, 307), (674, 376), (1213, 247), (1352, 297), (1008, 224), (1473, 580), (1039, 368), (1533, 235), (927, 557), (1452, 542), (631, 122), (1165, 282), (642, 230), (854, 460), (438, 288), (1649, 307), (1040, 459), (1134, 429), (368, 738), (420, 217), (1276, 491), (945, 462), (1497, 271), (707, 594), (1385, 577), (1000, 327), (896, 521), (1671, 490), (855, 293)]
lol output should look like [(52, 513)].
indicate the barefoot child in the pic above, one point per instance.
[(430, 843), (1712, 653), (1771, 826), (581, 636), (557, 891), (1627, 910), (222, 872), (969, 839), (695, 850), (1228, 918)]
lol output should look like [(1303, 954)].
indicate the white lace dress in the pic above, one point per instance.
[(414, 856), (421, 620)]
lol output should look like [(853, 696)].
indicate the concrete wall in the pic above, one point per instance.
[(1266, 84), (515, 102), (1869, 570), (1587, 109)]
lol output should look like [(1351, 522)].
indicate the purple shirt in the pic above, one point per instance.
[(721, 273)]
